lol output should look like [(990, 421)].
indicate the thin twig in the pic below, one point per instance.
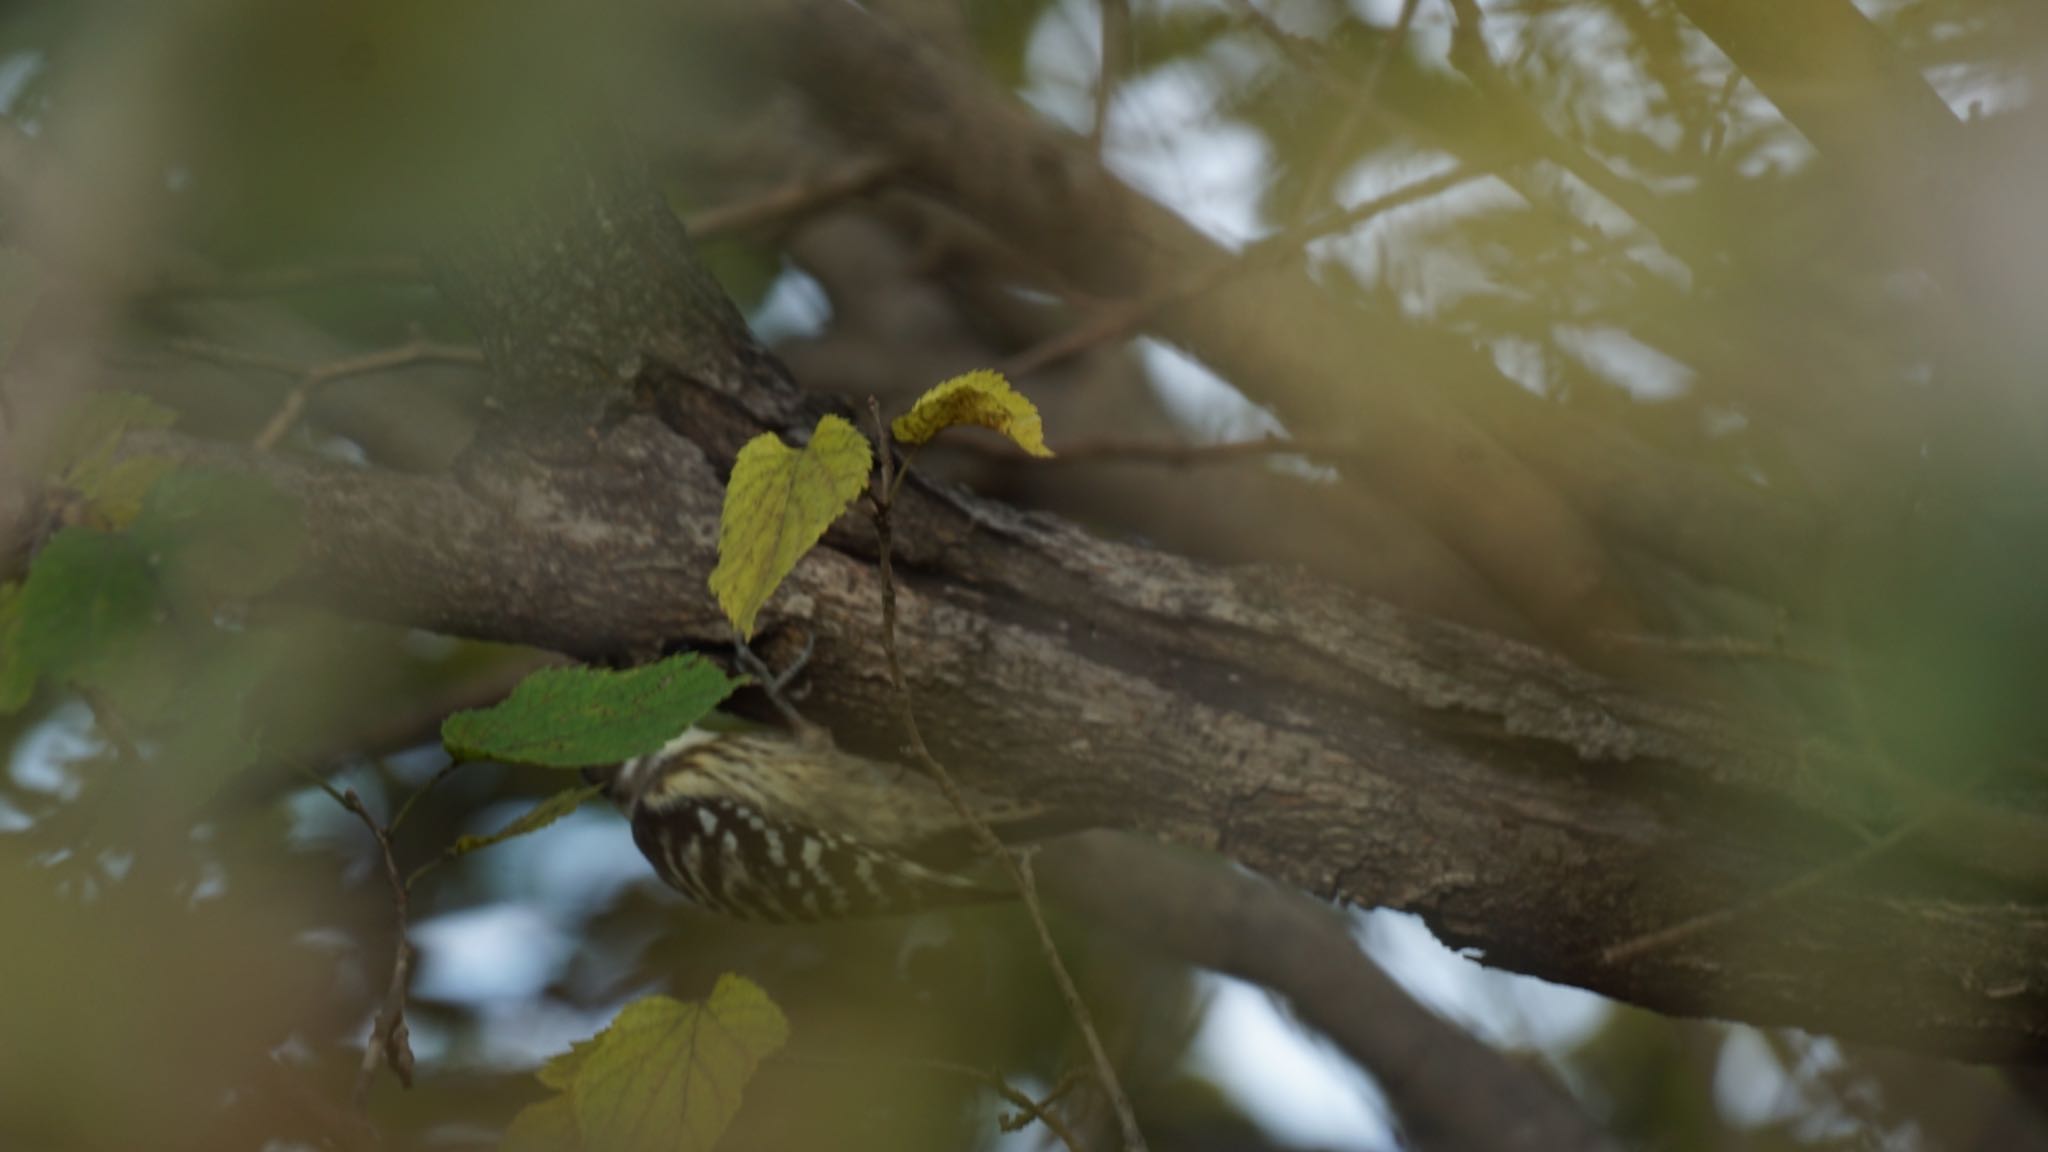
[(1470, 55), (774, 685), (1040, 1110), (390, 1040), (1018, 867), (1116, 35), (1029, 1110), (1356, 112), (405, 809), (804, 196), (1122, 317), (310, 377), (1171, 453), (1806, 882)]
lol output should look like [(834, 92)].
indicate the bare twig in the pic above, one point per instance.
[(309, 377), (1724, 104), (1122, 317), (1171, 453), (1806, 882), (1356, 112), (804, 196), (1029, 1109), (389, 1040), (1116, 37), (1018, 866), (1470, 55), (775, 684), (405, 809)]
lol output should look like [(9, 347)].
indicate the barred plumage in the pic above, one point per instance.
[(761, 826)]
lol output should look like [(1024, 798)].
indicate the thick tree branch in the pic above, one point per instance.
[(1522, 806)]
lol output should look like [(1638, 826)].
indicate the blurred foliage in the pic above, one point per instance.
[(196, 939)]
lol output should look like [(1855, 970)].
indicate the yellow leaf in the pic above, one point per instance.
[(117, 490), (666, 1076), (779, 502), (983, 399)]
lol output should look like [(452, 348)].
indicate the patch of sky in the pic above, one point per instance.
[(1164, 135), (1204, 404), (1504, 1009), (1289, 1080), (43, 758), (1624, 361), (16, 70), (495, 952), (568, 871), (794, 307)]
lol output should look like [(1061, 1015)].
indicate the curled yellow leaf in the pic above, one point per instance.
[(983, 399)]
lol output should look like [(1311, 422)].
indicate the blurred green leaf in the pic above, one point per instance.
[(581, 717), (87, 592), (21, 285), (220, 534), (532, 820), (666, 1076), (17, 675), (206, 735)]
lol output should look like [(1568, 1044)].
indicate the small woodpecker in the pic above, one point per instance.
[(764, 826)]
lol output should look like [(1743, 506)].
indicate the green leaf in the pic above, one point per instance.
[(207, 730), (532, 820), (17, 675), (549, 1126), (779, 502), (220, 534), (667, 1076), (86, 593), (983, 399), (583, 717)]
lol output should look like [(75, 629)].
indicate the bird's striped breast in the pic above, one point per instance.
[(729, 857)]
